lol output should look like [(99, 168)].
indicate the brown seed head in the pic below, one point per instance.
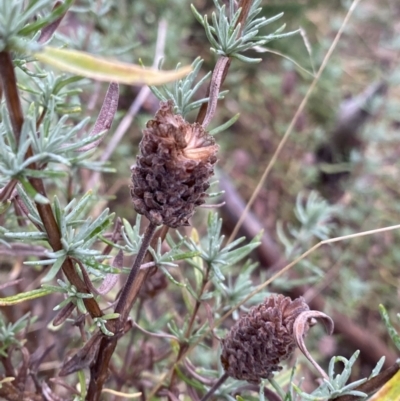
[(261, 339), (173, 168)]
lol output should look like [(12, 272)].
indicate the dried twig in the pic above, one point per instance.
[(217, 79)]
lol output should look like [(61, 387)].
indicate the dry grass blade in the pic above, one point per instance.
[(83, 358), (300, 329), (10, 283), (102, 69), (296, 116), (106, 116), (48, 31), (63, 314), (121, 394)]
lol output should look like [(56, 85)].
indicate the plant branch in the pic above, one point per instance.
[(7, 190), (207, 110), (377, 346), (9, 83), (215, 387), (218, 77), (99, 369), (270, 257), (127, 296)]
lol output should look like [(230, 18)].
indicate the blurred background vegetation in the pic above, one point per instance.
[(352, 277), (355, 275)]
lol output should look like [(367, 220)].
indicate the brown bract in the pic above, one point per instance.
[(173, 168), (261, 339)]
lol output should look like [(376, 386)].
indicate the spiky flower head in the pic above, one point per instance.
[(173, 168), (261, 339)]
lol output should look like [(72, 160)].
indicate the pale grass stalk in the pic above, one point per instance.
[(120, 394), (297, 260), (261, 49), (293, 122)]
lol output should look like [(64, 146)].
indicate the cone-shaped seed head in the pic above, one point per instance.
[(173, 168), (261, 339)]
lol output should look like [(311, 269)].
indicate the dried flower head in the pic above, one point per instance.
[(261, 339), (173, 168)]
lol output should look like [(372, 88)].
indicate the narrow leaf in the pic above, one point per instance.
[(24, 296), (53, 270), (394, 335), (105, 117), (48, 31), (225, 126), (87, 65)]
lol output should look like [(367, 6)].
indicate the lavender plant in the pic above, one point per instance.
[(78, 275)]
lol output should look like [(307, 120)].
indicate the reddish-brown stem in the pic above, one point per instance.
[(220, 72), (8, 80), (7, 190), (54, 238), (215, 387), (245, 5), (372, 385), (126, 298), (218, 76), (41, 117), (9, 83), (48, 30), (204, 107), (198, 303), (99, 369)]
